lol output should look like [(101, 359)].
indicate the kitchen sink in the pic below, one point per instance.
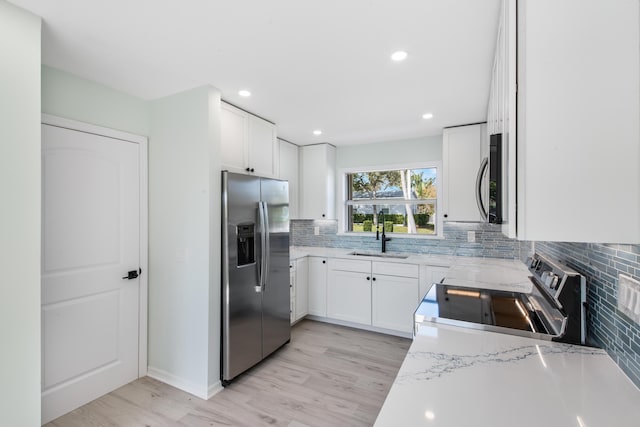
[(378, 254)]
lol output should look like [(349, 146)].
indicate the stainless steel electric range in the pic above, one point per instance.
[(553, 309)]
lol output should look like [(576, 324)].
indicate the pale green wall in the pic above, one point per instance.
[(72, 97), (390, 153), (19, 217)]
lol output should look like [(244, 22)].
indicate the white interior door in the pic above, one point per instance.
[(91, 239)]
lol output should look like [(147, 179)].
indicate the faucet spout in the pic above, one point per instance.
[(385, 239)]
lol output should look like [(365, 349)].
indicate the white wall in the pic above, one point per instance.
[(72, 97), (215, 242), (19, 217), (390, 153), (184, 246)]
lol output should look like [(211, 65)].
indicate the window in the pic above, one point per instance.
[(404, 199)]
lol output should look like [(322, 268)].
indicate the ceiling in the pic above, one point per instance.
[(322, 64)]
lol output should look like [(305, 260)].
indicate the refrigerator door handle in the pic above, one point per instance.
[(267, 239), (263, 247)]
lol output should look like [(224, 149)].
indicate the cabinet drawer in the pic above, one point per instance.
[(396, 269), (359, 266)]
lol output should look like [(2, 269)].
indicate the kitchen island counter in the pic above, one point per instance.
[(454, 377)]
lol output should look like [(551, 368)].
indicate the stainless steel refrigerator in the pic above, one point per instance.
[(255, 271)]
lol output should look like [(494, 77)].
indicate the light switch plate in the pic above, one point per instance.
[(471, 236), (316, 231), (629, 297)]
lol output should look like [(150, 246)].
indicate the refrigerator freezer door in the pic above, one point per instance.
[(241, 296), (276, 320)]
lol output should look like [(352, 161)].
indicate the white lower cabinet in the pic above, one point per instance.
[(379, 294), (430, 274), (292, 290), (318, 286), (349, 296), (393, 301), (302, 288)]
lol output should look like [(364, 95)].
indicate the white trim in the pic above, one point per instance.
[(386, 201), (394, 235), (199, 391), (143, 282), (360, 326), (214, 389), (143, 327), (393, 166), (341, 195)]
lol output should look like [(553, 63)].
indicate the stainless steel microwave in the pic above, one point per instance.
[(495, 179), (491, 211)]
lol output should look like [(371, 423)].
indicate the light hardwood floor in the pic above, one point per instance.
[(327, 376)]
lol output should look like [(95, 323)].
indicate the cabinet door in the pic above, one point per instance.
[(461, 153), (233, 123), (394, 302), (317, 192), (428, 275), (263, 147), (288, 165), (302, 288), (349, 296), (578, 128), (318, 286), (292, 295)]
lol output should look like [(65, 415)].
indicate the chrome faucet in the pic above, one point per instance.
[(385, 239)]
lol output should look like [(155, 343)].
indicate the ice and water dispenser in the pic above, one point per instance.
[(246, 244)]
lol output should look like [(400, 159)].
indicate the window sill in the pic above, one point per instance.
[(393, 235)]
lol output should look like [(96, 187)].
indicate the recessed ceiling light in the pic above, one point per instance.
[(427, 116), (317, 132), (399, 56), (244, 93)]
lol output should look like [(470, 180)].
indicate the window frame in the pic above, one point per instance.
[(344, 205)]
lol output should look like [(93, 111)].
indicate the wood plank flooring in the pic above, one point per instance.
[(328, 375)]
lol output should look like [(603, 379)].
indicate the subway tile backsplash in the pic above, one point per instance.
[(490, 242), (607, 327)]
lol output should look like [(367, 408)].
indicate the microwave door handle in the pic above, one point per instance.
[(263, 249), (481, 171)]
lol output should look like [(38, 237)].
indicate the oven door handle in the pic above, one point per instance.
[(481, 171)]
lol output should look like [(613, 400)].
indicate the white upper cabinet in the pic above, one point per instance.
[(463, 150), (234, 125), (317, 181), (289, 172), (578, 123), (249, 143)]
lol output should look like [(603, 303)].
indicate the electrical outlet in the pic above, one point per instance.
[(316, 231), (471, 236), (629, 297)]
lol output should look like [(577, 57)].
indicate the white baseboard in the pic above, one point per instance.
[(214, 389), (360, 326), (184, 385)]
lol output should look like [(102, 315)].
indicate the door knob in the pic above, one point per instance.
[(133, 274)]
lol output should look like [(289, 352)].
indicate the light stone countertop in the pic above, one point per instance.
[(505, 265), (456, 377)]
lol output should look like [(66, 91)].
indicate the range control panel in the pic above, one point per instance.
[(551, 275)]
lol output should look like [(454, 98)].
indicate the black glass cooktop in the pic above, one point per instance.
[(465, 306)]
